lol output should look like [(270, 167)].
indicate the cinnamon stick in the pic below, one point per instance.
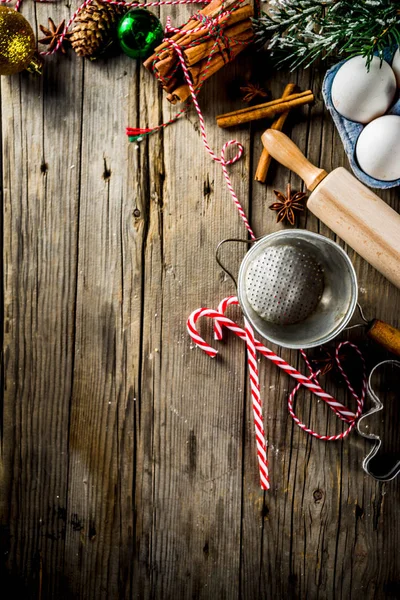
[(201, 67), (265, 158), (179, 94), (264, 111), (237, 16), (210, 10), (185, 37), (241, 32), (164, 60), (172, 85), (199, 72), (167, 59), (166, 66), (267, 104)]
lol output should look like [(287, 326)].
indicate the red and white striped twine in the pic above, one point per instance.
[(114, 2), (207, 23), (359, 399), (222, 160), (311, 383)]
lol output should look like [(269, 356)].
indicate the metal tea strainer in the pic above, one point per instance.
[(298, 289)]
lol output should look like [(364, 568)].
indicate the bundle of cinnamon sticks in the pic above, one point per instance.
[(225, 33)]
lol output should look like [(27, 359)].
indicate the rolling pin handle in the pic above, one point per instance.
[(385, 335), (288, 154)]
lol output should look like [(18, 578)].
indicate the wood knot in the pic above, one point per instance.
[(318, 495), (136, 213)]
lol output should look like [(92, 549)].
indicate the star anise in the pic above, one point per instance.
[(52, 35), (287, 205), (252, 91)]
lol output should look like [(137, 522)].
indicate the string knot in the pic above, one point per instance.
[(237, 156), (213, 26)]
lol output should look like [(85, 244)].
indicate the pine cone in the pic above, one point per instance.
[(94, 27)]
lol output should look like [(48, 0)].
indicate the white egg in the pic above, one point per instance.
[(396, 66), (378, 148), (361, 95)]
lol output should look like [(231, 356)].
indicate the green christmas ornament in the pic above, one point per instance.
[(139, 32)]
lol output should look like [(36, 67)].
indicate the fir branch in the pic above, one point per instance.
[(297, 32)]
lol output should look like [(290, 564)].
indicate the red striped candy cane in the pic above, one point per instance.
[(257, 410), (254, 383), (222, 306), (341, 411), (253, 345)]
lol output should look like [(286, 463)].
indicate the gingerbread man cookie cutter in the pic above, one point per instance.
[(394, 469)]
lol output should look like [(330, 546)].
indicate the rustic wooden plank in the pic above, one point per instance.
[(108, 315), (189, 538), (148, 166), (265, 539), (40, 144)]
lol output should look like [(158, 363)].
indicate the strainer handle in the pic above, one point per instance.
[(217, 255), (289, 155)]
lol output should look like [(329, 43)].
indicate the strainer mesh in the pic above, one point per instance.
[(284, 284)]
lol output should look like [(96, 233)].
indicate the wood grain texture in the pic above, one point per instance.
[(128, 465)]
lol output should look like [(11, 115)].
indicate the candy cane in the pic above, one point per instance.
[(257, 410), (310, 382), (218, 334), (253, 373), (222, 306), (341, 411)]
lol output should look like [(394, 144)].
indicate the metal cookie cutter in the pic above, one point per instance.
[(394, 469)]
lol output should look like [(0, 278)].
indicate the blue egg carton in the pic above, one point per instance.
[(350, 130)]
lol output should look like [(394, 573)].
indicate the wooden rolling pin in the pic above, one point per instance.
[(349, 208)]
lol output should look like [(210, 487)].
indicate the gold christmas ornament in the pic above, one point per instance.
[(17, 43)]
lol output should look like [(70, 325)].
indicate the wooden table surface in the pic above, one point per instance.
[(128, 456)]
